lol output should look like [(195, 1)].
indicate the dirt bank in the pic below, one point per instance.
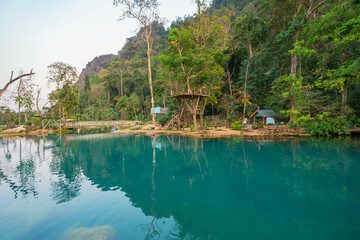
[(218, 133)]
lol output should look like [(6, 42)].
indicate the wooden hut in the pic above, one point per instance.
[(268, 116)]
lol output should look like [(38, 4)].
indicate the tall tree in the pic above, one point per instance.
[(197, 53), (304, 10), (335, 37), (250, 34), (66, 93), (146, 12)]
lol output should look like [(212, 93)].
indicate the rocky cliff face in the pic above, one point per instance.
[(93, 67)]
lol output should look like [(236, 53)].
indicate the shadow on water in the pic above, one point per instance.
[(213, 189)]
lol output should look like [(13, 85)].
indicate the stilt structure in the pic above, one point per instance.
[(195, 104), (51, 119)]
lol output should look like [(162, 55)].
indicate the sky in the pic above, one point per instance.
[(36, 33)]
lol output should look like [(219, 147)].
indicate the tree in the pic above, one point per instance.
[(12, 80), (201, 6), (249, 35), (127, 105), (197, 54), (146, 12), (119, 68), (24, 96), (335, 37), (66, 93)]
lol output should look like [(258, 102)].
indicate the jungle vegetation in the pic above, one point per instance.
[(300, 58)]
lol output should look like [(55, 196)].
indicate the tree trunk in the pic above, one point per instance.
[(150, 77), (294, 57), (245, 85), (292, 117), (164, 100), (19, 104), (60, 117), (19, 115), (134, 112), (64, 117), (37, 102), (345, 90), (121, 84), (7, 121), (344, 95), (201, 121), (196, 128), (188, 85), (230, 87), (108, 97)]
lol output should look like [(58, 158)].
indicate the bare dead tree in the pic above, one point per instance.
[(37, 101), (201, 5), (12, 80)]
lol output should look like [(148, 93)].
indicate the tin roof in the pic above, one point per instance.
[(266, 113)]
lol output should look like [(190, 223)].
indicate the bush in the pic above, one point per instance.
[(28, 123), (36, 121), (192, 128), (354, 120), (163, 119), (257, 126), (237, 125), (328, 127)]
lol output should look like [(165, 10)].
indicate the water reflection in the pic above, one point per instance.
[(213, 189)]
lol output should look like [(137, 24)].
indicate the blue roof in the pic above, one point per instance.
[(268, 113)]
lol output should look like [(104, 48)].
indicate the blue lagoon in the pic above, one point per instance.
[(104, 186)]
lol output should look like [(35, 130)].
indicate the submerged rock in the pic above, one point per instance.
[(104, 232)]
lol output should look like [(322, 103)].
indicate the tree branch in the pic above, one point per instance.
[(14, 80)]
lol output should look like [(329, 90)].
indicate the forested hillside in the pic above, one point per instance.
[(300, 58), (93, 67)]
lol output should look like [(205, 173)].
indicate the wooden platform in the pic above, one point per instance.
[(355, 131)]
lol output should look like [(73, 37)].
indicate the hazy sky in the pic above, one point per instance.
[(35, 33)]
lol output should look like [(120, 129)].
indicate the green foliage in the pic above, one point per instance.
[(258, 125), (354, 120), (95, 79), (233, 41), (237, 125), (197, 57), (327, 126), (66, 93), (192, 128), (108, 114), (35, 121), (128, 107), (163, 119)]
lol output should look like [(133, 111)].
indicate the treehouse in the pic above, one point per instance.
[(193, 102)]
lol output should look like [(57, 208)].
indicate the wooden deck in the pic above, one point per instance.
[(355, 130)]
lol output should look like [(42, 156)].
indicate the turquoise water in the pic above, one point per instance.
[(102, 186)]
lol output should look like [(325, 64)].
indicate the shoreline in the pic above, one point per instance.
[(149, 130), (219, 133)]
